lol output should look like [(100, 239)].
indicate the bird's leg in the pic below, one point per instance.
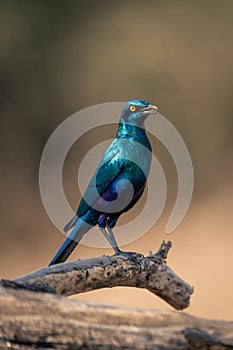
[(117, 249), (112, 242), (111, 239)]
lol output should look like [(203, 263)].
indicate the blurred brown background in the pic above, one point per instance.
[(57, 57)]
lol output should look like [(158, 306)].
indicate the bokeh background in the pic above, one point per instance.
[(57, 57)]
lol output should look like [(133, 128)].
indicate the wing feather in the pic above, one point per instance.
[(109, 168)]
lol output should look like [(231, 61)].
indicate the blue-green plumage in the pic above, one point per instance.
[(115, 168)]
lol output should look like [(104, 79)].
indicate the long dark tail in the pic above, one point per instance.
[(64, 251), (80, 228)]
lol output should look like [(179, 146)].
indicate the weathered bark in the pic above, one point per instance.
[(30, 320), (151, 273)]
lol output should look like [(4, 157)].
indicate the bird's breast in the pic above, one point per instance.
[(132, 151)]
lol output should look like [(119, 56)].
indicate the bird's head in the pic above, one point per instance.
[(136, 111)]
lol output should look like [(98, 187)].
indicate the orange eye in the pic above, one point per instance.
[(132, 108)]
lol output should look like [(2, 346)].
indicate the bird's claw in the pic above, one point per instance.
[(127, 255)]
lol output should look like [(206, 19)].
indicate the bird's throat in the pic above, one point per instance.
[(130, 131)]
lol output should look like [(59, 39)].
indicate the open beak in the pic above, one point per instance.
[(150, 109)]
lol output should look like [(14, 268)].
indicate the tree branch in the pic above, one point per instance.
[(151, 273)]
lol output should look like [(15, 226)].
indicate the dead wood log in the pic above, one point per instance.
[(42, 321)]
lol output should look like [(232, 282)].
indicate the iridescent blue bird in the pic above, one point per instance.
[(119, 171)]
